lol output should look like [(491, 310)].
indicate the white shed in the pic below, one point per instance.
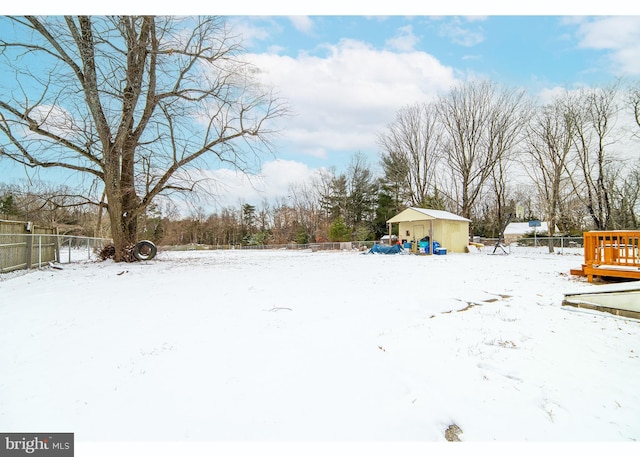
[(516, 230)]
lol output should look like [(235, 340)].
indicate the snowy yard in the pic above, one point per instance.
[(323, 346)]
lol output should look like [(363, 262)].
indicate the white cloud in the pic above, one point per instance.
[(56, 120), (405, 40), (302, 23), (620, 35), (229, 188), (250, 32), (341, 97), (460, 32), (476, 18), (548, 95), (345, 97)]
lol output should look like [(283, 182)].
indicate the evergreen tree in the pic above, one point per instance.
[(8, 206), (302, 237), (362, 191), (248, 222), (386, 208), (338, 231)]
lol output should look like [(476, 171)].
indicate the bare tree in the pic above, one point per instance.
[(593, 114), (45, 204), (623, 184), (305, 200), (500, 191), (132, 102), (332, 192), (549, 140), (634, 103), (483, 124), (411, 149)]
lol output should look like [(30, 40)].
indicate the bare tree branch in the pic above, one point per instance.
[(146, 98)]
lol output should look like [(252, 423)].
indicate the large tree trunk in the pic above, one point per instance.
[(124, 231), (124, 205)]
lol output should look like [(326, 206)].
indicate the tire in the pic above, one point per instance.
[(145, 250)]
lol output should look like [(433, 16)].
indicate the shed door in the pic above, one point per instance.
[(418, 232)]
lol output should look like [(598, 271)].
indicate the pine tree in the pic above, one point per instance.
[(8, 206), (338, 231)]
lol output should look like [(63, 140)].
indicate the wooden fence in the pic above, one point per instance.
[(24, 245)]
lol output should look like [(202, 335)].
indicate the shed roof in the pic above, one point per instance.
[(522, 228), (423, 214)]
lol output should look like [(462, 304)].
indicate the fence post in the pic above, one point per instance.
[(39, 251), (28, 254), (57, 246)]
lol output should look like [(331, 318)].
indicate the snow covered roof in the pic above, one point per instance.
[(415, 214), (521, 228)]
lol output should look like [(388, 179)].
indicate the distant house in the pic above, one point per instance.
[(448, 229), (517, 230)]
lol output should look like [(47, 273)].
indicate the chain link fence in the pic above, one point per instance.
[(561, 244), (329, 246), (24, 251)]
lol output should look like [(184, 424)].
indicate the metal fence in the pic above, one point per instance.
[(20, 251), (557, 241), (329, 246), (33, 250), (561, 244), (76, 248)]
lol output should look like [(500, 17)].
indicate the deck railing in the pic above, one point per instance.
[(616, 248), (612, 253)]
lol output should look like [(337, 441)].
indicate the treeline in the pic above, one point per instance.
[(486, 151), (47, 205), (483, 151)]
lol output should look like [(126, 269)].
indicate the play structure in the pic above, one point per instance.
[(610, 254), (500, 242)]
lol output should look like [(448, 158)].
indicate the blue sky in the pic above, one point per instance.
[(346, 75), (512, 48)]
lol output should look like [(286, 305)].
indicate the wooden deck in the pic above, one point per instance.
[(613, 254)]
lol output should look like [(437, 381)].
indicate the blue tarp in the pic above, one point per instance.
[(384, 249)]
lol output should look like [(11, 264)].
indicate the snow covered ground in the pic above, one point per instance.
[(282, 346)]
